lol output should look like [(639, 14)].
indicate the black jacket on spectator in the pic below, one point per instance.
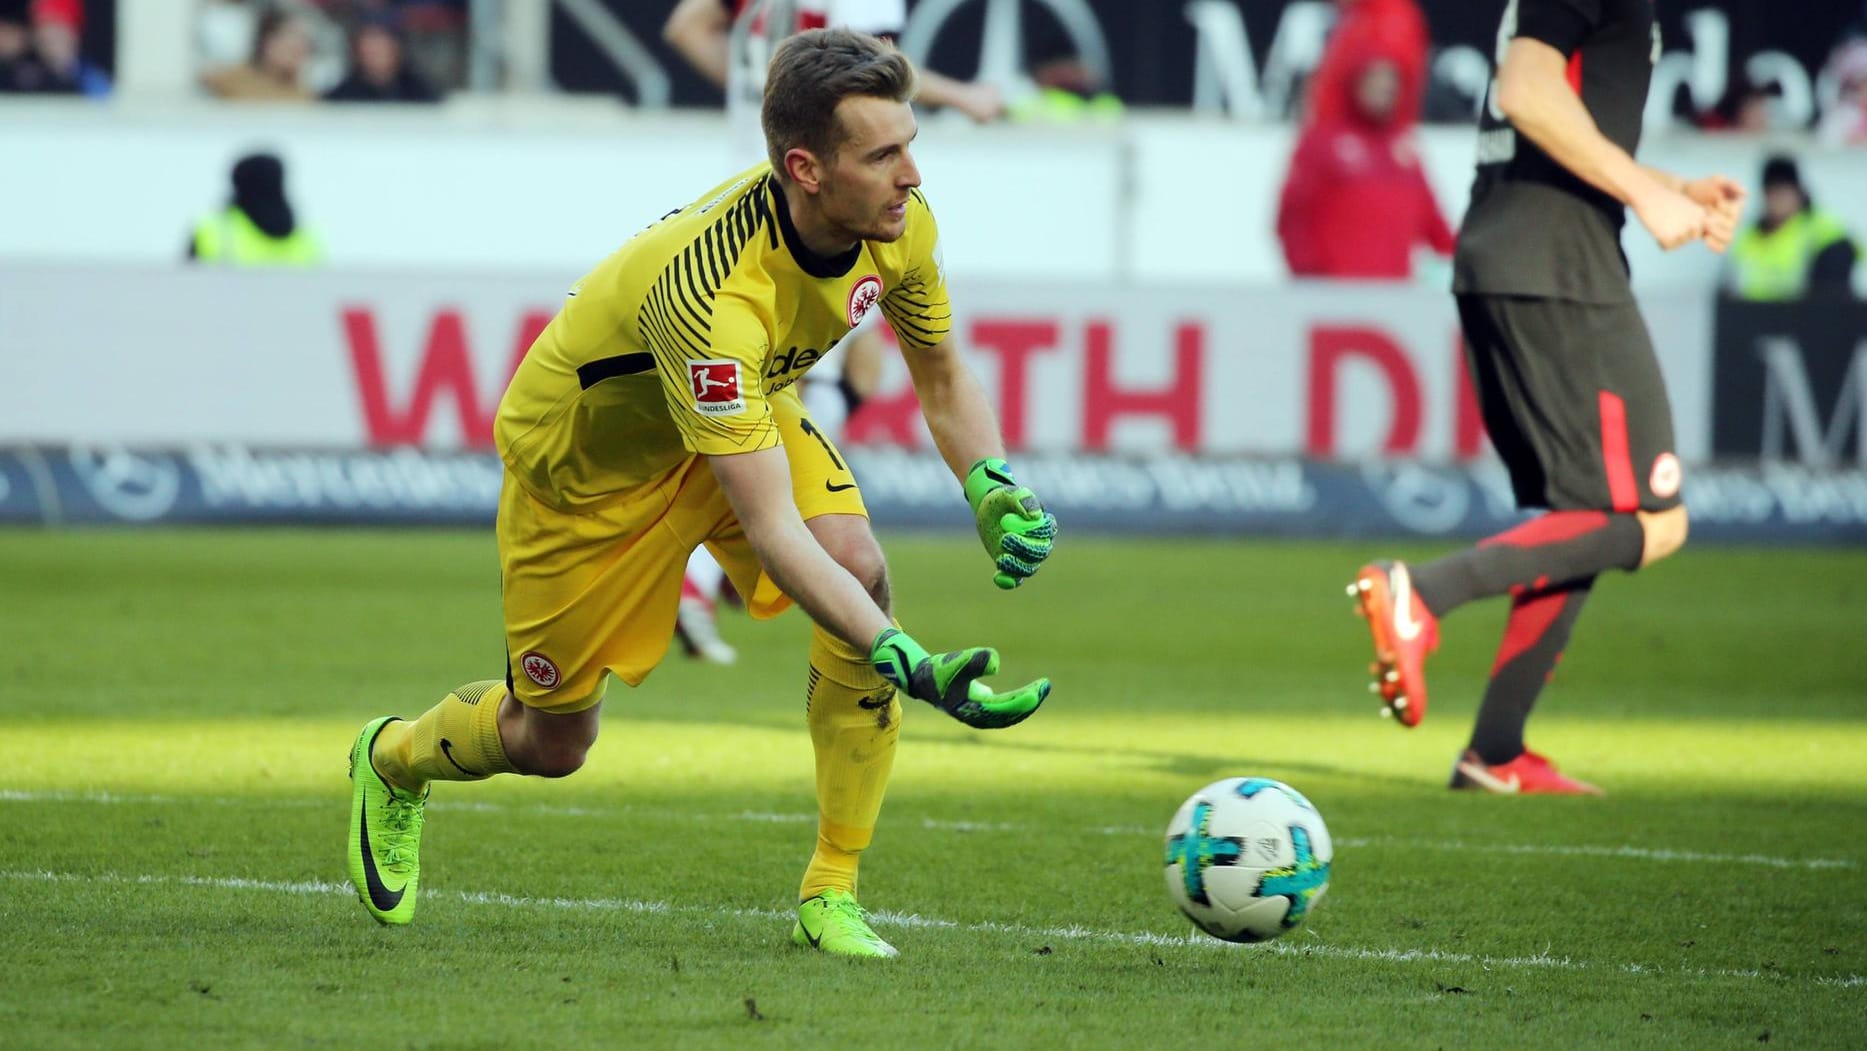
[(407, 87), (259, 191), (26, 74)]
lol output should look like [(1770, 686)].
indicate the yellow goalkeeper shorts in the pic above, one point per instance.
[(597, 592)]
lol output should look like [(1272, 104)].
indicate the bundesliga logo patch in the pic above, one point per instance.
[(715, 386), (863, 297), (1664, 478), (539, 669)]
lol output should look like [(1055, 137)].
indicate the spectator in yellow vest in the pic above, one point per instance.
[(1795, 250), (258, 227)]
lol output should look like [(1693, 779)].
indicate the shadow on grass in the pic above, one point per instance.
[(1183, 765)]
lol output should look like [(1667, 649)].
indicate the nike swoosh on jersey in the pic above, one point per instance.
[(381, 896), (833, 487)]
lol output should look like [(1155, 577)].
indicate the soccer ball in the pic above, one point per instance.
[(1247, 858)]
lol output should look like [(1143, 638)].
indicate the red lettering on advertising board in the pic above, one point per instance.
[(1178, 402), (885, 418), (445, 372), (1015, 341), (1330, 346)]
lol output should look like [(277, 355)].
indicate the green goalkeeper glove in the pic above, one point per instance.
[(1014, 526), (950, 681)]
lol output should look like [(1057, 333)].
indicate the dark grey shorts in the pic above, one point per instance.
[(1573, 399)]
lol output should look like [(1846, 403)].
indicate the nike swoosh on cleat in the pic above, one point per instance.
[(447, 749), (1507, 786), (834, 488), (1407, 627), (381, 897), (815, 940)]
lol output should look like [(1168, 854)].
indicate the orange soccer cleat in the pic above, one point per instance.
[(1404, 630)]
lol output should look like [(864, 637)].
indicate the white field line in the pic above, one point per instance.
[(1586, 850), (1573, 850), (1318, 949)]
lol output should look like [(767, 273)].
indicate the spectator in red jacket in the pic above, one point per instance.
[(1394, 29), (1356, 201)]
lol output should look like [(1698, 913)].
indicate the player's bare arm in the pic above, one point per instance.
[(1013, 525), (701, 31), (758, 485), (964, 428), (1534, 94), (977, 99)]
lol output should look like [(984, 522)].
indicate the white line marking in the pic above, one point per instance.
[(1074, 932), (1584, 850)]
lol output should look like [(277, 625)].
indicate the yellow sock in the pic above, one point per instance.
[(854, 720), (456, 740)]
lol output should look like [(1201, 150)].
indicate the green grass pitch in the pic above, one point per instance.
[(175, 709)]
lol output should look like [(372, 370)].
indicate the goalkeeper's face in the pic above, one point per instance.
[(865, 186)]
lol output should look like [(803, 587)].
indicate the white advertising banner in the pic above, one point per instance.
[(1153, 198), (347, 360)]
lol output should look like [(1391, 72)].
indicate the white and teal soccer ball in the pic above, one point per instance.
[(1247, 859)]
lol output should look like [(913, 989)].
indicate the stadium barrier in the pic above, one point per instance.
[(222, 483), (1318, 410), (1153, 198)]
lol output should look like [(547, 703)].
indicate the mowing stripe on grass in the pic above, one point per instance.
[(1594, 851), (1585, 850), (1073, 932)]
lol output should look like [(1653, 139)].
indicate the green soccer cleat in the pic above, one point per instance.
[(832, 922), (385, 835)]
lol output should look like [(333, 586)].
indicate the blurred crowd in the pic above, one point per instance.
[(334, 50), (416, 51), (1356, 202), (40, 53), (270, 50), (1757, 106)]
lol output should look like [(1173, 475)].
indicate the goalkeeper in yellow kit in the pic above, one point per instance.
[(659, 412)]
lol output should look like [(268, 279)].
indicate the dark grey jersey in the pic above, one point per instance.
[(1533, 228)]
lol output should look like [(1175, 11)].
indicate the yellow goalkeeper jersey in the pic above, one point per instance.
[(676, 343)]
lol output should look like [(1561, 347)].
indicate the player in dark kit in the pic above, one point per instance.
[(1566, 376)]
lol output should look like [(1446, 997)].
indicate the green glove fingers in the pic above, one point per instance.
[(956, 673), (989, 710), (951, 681), (1031, 546), (1013, 525), (1012, 572)]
